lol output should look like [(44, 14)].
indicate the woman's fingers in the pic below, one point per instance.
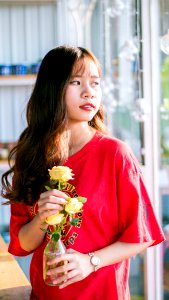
[(68, 256), (64, 269), (77, 267), (50, 198), (53, 192), (50, 202), (47, 213), (68, 278), (64, 274), (63, 257), (47, 205)]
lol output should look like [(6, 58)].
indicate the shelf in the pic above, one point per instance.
[(17, 80), (26, 2), (3, 166), (3, 161)]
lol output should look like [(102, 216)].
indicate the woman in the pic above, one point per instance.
[(65, 127)]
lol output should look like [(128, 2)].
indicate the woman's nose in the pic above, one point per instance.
[(87, 92)]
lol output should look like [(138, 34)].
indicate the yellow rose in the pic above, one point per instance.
[(60, 173), (55, 219), (73, 206)]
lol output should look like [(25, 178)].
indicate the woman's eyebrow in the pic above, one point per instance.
[(80, 76), (73, 76), (95, 76)]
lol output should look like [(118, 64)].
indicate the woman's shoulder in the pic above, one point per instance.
[(116, 149), (20, 209), (109, 142)]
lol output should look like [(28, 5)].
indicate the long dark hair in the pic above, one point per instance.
[(39, 145)]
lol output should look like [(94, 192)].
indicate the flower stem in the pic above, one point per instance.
[(59, 185)]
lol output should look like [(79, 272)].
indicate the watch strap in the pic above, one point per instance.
[(91, 254)]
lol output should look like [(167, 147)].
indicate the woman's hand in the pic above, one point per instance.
[(78, 267), (50, 202)]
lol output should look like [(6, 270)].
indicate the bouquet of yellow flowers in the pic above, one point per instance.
[(58, 179), (59, 222)]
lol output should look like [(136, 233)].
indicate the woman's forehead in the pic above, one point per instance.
[(85, 66)]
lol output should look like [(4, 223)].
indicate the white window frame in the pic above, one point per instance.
[(151, 83)]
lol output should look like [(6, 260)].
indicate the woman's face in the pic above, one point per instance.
[(83, 93)]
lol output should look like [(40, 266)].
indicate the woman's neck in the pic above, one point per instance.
[(80, 135)]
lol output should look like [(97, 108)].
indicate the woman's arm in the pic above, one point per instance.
[(119, 251), (30, 235), (79, 266)]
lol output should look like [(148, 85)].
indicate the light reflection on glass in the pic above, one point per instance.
[(164, 43)]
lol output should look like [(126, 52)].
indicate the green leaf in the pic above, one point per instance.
[(82, 199), (55, 236), (74, 221), (54, 181), (64, 212), (47, 188), (68, 199), (45, 230)]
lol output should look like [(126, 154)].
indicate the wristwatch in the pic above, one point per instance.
[(94, 260)]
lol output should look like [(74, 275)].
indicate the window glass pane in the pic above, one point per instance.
[(122, 85), (164, 138), (123, 92)]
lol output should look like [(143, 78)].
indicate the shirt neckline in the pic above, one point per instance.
[(86, 148)]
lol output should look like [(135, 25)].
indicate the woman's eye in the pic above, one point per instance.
[(75, 82), (95, 83)]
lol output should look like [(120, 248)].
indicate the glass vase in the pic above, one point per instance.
[(52, 249)]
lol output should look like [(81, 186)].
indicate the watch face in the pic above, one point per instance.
[(95, 260)]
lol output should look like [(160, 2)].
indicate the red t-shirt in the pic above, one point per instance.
[(117, 209)]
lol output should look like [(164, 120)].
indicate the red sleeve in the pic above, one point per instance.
[(19, 217), (137, 220)]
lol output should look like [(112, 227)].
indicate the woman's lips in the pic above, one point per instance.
[(87, 106)]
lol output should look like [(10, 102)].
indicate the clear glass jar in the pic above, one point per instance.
[(52, 249)]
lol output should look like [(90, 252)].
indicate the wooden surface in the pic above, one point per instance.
[(17, 80), (13, 283)]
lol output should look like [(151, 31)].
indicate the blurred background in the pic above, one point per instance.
[(131, 40)]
